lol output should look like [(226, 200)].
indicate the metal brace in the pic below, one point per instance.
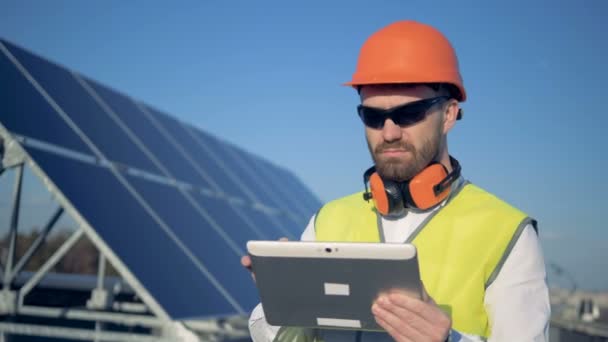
[(10, 155)]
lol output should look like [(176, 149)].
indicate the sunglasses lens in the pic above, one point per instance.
[(372, 118), (408, 116), (404, 115)]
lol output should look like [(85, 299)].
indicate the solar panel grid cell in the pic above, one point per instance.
[(25, 112), (61, 85)]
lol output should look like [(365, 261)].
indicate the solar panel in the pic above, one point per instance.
[(26, 112), (82, 109), (174, 204)]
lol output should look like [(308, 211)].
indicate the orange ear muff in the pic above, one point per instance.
[(379, 194), (426, 190), (422, 186)]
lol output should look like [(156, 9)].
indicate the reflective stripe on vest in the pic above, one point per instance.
[(461, 248)]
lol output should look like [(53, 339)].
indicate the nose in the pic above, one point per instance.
[(391, 131)]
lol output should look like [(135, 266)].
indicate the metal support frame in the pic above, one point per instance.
[(560, 271), (35, 245), (129, 314), (1, 170), (99, 296), (91, 315), (76, 334), (598, 331), (52, 261), (13, 228), (9, 156)]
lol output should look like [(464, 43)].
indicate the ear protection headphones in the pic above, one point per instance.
[(424, 191)]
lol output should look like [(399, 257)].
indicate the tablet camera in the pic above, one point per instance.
[(328, 249)]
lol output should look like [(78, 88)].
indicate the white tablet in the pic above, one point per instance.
[(330, 284)]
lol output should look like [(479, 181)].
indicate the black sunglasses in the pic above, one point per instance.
[(404, 115)]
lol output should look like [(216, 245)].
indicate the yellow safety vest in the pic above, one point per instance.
[(461, 248)]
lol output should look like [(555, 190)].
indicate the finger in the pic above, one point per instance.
[(428, 311), (405, 292), (246, 262), (398, 327), (392, 332), (413, 319), (430, 319)]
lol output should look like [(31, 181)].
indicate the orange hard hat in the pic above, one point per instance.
[(408, 52)]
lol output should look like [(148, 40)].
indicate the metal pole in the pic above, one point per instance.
[(101, 272), (562, 272), (97, 331), (36, 244), (65, 333), (1, 172), (13, 227), (91, 316)]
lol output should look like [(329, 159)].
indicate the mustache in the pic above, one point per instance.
[(399, 145)]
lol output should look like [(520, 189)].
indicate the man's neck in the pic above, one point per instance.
[(444, 158)]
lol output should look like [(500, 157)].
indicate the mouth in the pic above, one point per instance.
[(392, 152)]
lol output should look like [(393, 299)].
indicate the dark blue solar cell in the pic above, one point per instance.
[(301, 198), (281, 195), (293, 227), (239, 171), (199, 154), (202, 240), (149, 253), (263, 228), (25, 112), (242, 169), (312, 200), (149, 135), (84, 111), (313, 204), (308, 202)]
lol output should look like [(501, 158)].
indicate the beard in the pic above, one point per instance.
[(400, 169)]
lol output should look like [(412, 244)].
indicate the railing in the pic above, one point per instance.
[(577, 331)]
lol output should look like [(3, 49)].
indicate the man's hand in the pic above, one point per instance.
[(408, 319), (246, 260)]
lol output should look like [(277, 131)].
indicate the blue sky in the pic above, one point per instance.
[(267, 76)]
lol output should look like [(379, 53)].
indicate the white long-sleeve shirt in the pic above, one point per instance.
[(517, 301)]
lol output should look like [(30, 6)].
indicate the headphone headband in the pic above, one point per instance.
[(366, 175), (449, 179)]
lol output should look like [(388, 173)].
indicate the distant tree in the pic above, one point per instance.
[(82, 258)]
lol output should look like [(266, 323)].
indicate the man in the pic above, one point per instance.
[(480, 259)]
